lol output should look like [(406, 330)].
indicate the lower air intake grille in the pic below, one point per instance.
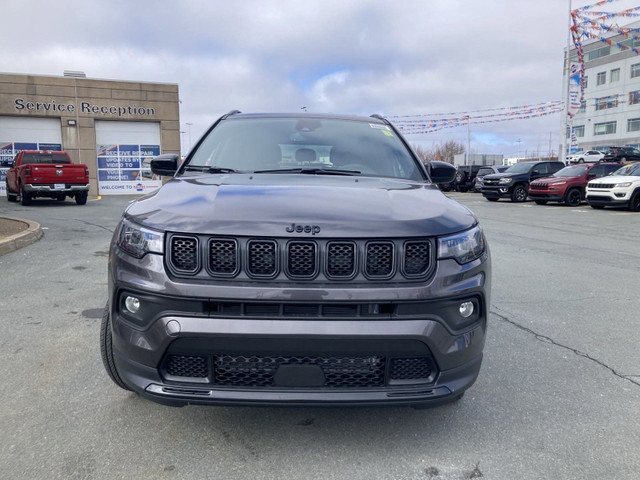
[(411, 368), (339, 372), (187, 366)]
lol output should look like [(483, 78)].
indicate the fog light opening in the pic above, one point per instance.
[(466, 309), (132, 304)]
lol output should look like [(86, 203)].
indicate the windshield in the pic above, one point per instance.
[(632, 170), (304, 145), (574, 171), (519, 168)]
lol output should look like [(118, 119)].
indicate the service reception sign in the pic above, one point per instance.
[(8, 150), (125, 170)]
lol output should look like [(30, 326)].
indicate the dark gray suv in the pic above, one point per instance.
[(297, 259)]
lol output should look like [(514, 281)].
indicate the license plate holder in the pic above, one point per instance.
[(58, 186)]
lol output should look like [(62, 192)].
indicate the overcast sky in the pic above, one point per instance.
[(344, 56)]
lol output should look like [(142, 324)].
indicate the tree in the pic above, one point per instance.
[(443, 152)]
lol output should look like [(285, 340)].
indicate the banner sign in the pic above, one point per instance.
[(8, 150), (575, 89), (124, 169)]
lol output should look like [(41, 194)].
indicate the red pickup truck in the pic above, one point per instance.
[(43, 173)]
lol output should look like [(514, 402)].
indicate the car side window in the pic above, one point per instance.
[(540, 169), (597, 172)]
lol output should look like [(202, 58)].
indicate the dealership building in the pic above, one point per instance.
[(610, 112), (112, 126)]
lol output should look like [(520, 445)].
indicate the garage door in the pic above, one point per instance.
[(17, 134), (123, 151)]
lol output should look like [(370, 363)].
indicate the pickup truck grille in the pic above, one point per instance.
[(294, 259)]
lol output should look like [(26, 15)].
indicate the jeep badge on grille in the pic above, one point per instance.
[(312, 229)]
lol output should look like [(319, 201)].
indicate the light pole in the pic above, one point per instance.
[(182, 132)]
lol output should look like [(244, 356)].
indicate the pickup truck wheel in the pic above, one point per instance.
[(11, 197), (519, 194), (25, 198), (573, 198), (81, 198), (106, 349), (634, 203)]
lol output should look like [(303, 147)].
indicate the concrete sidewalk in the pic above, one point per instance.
[(16, 233)]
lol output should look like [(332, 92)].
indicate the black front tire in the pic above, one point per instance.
[(573, 198), (81, 198), (11, 197), (634, 203), (106, 349), (519, 194)]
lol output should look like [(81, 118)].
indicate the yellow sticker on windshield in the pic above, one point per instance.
[(387, 133)]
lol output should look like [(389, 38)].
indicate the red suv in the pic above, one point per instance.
[(567, 185)]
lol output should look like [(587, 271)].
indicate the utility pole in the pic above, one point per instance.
[(189, 125), (565, 92)]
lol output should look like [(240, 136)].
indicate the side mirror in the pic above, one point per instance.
[(441, 172), (166, 164)]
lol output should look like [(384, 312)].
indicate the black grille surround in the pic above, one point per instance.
[(294, 259), (259, 371), (605, 186)]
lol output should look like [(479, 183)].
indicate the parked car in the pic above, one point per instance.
[(622, 155), (465, 177), (44, 173), (514, 182), (568, 185), (589, 156), (486, 170), (297, 259), (621, 189)]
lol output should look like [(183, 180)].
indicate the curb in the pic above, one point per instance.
[(32, 234)]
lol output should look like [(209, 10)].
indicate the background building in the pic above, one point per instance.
[(610, 111), (111, 126)]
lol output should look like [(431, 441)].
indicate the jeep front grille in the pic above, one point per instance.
[(293, 259)]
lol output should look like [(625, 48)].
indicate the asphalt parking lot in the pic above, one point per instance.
[(558, 396)]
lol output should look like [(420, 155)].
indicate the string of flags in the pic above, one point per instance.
[(591, 23), (418, 124)]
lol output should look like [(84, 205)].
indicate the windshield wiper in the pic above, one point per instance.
[(208, 169), (312, 171)]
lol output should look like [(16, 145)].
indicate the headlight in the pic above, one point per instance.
[(464, 247), (622, 185), (558, 183), (506, 180), (138, 241)]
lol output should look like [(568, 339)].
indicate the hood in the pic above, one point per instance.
[(498, 176), (616, 179), (277, 204)]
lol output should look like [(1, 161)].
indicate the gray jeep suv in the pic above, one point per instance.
[(297, 259)]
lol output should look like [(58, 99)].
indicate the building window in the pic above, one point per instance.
[(600, 52), (615, 75), (606, 102), (578, 130), (635, 70), (583, 106), (601, 79), (605, 128), (633, 125), (634, 97), (585, 81)]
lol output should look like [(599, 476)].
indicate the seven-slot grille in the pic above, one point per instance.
[(333, 260), (601, 185)]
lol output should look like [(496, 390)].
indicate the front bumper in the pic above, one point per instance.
[(244, 345), (546, 195), (496, 192), (617, 197)]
